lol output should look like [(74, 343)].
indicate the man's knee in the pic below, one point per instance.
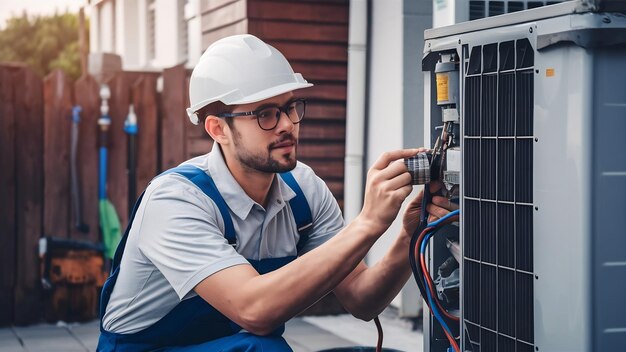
[(265, 343)]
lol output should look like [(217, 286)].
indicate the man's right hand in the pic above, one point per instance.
[(388, 184)]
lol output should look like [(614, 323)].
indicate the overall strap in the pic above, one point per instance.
[(207, 185), (202, 181), (300, 208)]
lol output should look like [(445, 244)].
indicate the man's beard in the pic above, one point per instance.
[(265, 163)]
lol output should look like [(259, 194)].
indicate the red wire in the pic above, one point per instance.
[(430, 285), (429, 279), (379, 328), (450, 338), (432, 292), (427, 276)]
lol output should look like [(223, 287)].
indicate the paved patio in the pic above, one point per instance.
[(304, 334)]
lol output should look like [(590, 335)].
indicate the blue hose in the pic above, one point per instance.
[(102, 175), (423, 245)]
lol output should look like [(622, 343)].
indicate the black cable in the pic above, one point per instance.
[(417, 274), (379, 328)]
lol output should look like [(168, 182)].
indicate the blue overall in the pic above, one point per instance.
[(193, 324)]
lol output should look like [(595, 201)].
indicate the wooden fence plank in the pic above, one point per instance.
[(29, 194), (145, 102), (87, 96), (173, 138), (7, 198), (196, 131), (117, 178), (197, 138), (198, 146), (197, 141), (57, 124), (134, 76)]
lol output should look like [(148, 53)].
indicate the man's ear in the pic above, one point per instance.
[(215, 126)]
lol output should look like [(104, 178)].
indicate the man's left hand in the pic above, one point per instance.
[(438, 208)]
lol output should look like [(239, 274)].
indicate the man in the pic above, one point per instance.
[(224, 243)]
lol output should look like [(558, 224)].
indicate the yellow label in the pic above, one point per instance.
[(442, 87), (549, 72)]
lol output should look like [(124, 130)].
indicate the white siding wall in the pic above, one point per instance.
[(107, 28), (142, 33), (396, 102), (194, 30), (167, 43), (94, 29), (127, 32), (385, 97), (123, 27)]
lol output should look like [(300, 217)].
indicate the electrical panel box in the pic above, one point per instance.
[(541, 174)]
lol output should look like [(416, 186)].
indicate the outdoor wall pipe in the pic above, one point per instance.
[(356, 119)]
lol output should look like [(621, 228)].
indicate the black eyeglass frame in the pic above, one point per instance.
[(282, 109)]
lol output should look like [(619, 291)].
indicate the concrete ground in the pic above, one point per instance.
[(304, 334)]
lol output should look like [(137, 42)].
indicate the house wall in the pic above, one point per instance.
[(313, 36), (168, 42), (127, 31), (221, 18), (171, 36), (395, 105)]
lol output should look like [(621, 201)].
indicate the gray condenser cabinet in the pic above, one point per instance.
[(542, 189)]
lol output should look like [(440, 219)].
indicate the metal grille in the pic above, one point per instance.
[(497, 189), (487, 8)]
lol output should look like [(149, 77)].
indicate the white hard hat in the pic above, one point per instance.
[(240, 69)]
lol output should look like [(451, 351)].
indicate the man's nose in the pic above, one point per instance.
[(284, 123)]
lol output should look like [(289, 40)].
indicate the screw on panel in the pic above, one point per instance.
[(536, 208), (537, 71), (459, 41), (429, 45), (536, 277), (536, 348), (606, 20), (530, 29), (536, 139)]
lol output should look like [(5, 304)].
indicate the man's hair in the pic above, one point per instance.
[(215, 108)]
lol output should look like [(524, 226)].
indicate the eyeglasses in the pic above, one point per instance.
[(268, 116)]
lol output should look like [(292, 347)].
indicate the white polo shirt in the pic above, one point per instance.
[(177, 238)]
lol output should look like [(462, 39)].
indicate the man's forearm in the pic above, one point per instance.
[(260, 303), (374, 288)]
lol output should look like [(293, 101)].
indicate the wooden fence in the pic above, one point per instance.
[(35, 127)]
